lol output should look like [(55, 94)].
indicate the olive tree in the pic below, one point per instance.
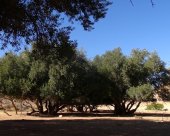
[(131, 77), (89, 85), (13, 73)]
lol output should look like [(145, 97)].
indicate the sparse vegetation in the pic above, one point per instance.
[(155, 106)]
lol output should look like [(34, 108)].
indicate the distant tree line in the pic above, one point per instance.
[(61, 76)]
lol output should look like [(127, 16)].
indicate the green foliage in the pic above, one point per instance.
[(49, 73), (54, 80), (39, 20), (155, 106), (132, 77), (140, 93), (13, 71)]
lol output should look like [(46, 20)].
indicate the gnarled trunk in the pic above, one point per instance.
[(126, 109), (39, 104), (53, 108), (120, 109)]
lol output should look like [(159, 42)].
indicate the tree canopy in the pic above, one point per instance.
[(54, 80), (40, 20), (133, 77)]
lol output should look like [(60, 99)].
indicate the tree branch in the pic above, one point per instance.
[(153, 4), (1, 107), (131, 3)]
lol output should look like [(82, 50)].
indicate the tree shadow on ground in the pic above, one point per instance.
[(163, 114), (82, 127), (107, 114)]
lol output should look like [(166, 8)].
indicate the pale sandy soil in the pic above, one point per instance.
[(159, 117), (141, 114), (21, 125), (140, 125)]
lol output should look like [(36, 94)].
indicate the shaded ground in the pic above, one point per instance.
[(84, 127), (150, 123)]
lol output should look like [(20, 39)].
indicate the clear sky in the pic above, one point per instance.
[(128, 27)]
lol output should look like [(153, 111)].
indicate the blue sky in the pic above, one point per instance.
[(128, 27)]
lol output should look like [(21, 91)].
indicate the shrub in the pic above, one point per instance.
[(155, 106)]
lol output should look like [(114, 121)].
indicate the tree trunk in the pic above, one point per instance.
[(53, 108), (120, 109), (13, 104), (80, 108), (40, 105), (50, 108), (123, 109)]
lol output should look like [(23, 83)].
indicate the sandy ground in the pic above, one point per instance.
[(21, 125), (147, 124)]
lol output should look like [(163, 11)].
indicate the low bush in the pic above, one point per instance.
[(155, 106)]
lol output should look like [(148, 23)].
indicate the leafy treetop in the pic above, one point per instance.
[(40, 20)]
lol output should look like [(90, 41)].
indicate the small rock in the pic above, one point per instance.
[(60, 116)]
